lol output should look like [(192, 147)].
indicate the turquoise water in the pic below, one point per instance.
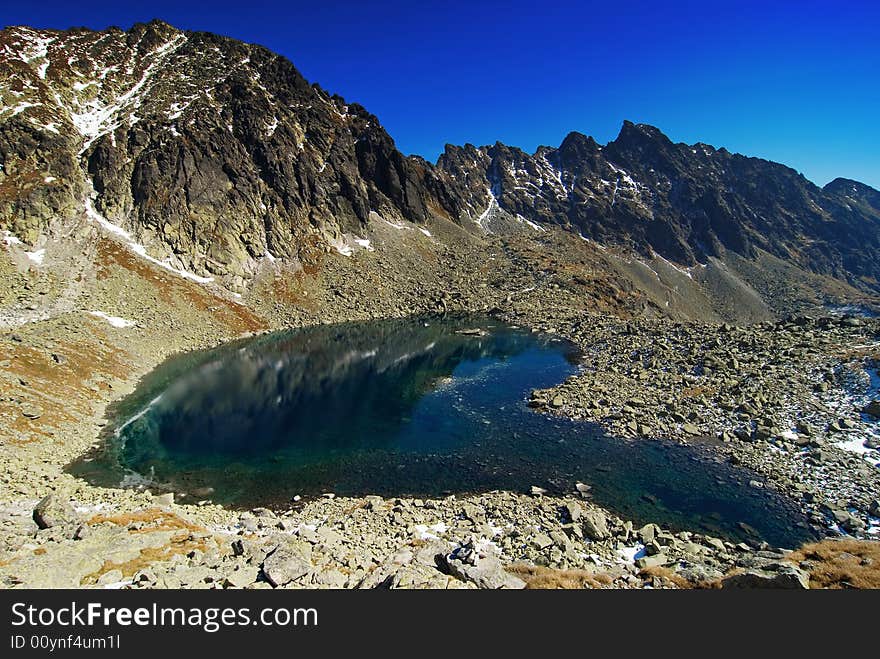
[(421, 407)]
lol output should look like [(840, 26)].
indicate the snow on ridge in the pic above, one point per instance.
[(36, 49), (96, 118), (115, 321), (137, 248), (685, 271), (480, 220), (529, 223)]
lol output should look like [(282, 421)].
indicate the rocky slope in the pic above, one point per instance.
[(215, 157), (213, 153)]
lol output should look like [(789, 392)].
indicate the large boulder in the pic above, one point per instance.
[(288, 563), (779, 576), (872, 408), (595, 525), (53, 510), (484, 570)]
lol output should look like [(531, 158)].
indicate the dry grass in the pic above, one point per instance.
[(698, 390), (839, 564), (176, 291), (545, 578), (180, 544), (61, 391), (668, 578), (154, 519)]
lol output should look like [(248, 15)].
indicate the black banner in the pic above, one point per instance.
[(115, 622)]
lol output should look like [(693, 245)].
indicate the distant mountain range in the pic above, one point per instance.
[(215, 153)]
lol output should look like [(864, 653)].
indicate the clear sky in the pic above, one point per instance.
[(796, 82)]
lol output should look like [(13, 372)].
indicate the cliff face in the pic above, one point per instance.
[(210, 150), (215, 155)]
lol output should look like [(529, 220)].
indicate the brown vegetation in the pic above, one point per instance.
[(179, 544), (537, 577), (667, 577), (843, 563), (155, 519), (175, 290)]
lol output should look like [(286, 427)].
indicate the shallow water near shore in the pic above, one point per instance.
[(416, 407)]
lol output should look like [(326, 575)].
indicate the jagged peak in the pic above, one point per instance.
[(630, 131)]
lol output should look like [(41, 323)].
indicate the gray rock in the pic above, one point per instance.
[(165, 499), (648, 532), (652, 561), (595, 525), (287, 563), (872, 408), (542, 541), (573, 511), (779, 576), (485, 572), (54, 511), (242, 576)]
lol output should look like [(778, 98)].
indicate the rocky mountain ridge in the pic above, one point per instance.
[(214, 157), (683, 202)]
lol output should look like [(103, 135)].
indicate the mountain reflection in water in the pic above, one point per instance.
[(406, 407)]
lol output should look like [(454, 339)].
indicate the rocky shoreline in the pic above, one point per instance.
[(638, 380), (780, 398)]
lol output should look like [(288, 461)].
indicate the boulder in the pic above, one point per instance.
[(595, 525), (483, 570), (779, 576), (286, 564), (54, 511)]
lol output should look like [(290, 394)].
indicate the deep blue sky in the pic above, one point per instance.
[(795, 82)]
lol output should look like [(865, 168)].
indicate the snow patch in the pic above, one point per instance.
[(137, 248), (426, 532), (115, 321), (9, 239), (36, 256)]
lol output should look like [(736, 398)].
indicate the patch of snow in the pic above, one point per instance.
[(18, 109), (529, 223), (96, 117), (36, 256), (424, 531), (138, 249), (9, 239), (630, 554), (481, 220), (425, 231), (341, 247), (363, 242), (49, 179), (685, 271), (115, 321)]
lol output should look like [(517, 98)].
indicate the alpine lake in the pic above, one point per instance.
[(423, 407)]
